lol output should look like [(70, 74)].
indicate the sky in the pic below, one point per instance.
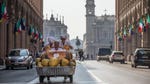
[(74, 13)]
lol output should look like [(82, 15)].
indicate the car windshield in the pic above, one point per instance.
[(144, 52), (23, 53), (118, 53), (14, 53), (18, 53), (104, 51)]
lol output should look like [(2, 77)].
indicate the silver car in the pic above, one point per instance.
[(19, 58)]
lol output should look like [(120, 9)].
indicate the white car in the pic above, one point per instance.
[(117, 56)]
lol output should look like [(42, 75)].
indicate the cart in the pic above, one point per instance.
[(58, 71)]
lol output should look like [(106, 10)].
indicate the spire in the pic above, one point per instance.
[(105, 12), (46, 17), (52, 17), (60, 18), (57, 17), (63, 19)]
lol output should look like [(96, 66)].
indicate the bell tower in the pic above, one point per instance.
[(90, 20), (90, 7)]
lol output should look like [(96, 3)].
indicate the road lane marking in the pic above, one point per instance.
[(94, 76)]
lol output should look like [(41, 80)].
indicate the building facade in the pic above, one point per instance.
[(54, 28), (99, 31), (129, 15), (32, 12)]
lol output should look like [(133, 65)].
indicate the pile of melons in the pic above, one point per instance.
[(45, 61)]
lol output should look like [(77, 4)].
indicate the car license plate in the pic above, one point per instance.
[(145, 57), (16, 64)]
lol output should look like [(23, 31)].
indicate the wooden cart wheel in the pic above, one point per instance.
[(41, 79), (71, 78)]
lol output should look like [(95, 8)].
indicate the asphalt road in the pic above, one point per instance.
[(117, 73), (87, 72), (18, 75)]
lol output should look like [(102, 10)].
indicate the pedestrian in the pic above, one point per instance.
[(64, 43), (87, 56), (81, 57), (91, 57)]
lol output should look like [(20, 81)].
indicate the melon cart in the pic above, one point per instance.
[(58, 71)]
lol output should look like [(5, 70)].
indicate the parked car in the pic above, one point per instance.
[(141, 56), (117, 56), (19, 58), (103, 54)]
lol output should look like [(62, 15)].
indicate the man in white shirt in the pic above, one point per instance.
[(64, 42)]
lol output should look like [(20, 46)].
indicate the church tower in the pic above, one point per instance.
[(90, 19)]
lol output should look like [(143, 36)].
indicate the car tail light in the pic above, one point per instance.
[(113, 56)]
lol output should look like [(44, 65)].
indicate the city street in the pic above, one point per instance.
[(87, 72), (46, 36)]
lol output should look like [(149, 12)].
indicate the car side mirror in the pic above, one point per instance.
[(30, 54)]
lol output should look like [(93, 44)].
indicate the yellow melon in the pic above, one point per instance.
[(72, 62), (39, 64), (53, 62), (66, 47), (37, 60), (64, 62), (45, 62), (43, 55)]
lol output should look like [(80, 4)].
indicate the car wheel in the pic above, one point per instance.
[(31, 66), (7, 67), (12, 68), (122, 62), (28, 67), (132, 65), (135, 65)]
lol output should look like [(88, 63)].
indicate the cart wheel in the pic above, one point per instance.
[(71, 78), (41, 79), (48, 78), (65, 78)]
